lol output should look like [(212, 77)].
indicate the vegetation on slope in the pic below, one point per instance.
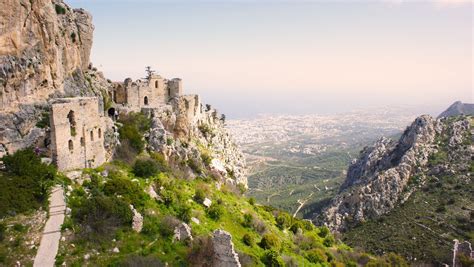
[(441, 209)]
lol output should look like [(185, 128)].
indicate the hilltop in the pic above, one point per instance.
[(458, 108)]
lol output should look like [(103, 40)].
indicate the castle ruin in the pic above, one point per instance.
[(77, 133), (151, 92)]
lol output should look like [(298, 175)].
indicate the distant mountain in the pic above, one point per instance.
[(412, 196), (458, 108)]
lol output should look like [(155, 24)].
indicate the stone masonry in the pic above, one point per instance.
[(77, 133)]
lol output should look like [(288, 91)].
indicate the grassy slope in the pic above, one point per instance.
[(160, 246)]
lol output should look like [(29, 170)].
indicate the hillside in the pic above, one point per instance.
[(151, 177), (412, 197)]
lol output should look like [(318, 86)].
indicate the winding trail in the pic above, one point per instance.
[(302, 202), (46, 255)]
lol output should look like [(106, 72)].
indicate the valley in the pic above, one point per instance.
[(295, 159)]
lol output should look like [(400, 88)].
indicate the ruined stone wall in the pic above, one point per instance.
[(77, 133), (175, 88)]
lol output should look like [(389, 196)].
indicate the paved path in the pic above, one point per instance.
[(46, 255)]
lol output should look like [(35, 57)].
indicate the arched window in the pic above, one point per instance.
[(100, 133), (145, 100), (71, 145), (92, 135), (83, 143), (72, 122), (156, 84), (169, 92)]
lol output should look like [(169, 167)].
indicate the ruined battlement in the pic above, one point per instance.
[(151, 92)]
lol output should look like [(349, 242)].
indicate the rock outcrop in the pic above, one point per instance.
[(201, 140), (462, 249), (378, 179), (224, 254), (44, 53)]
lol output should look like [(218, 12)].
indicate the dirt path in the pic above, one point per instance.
[(48, 248), (302, 202)]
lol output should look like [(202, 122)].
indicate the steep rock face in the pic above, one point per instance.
[(378, 179), (202, 140), (41, 44), (44, 53)]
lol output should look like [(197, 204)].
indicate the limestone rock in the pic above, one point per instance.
[(137, 222), (207, 202), (462, 248), (224, 254), (182, 232), (377, 180)]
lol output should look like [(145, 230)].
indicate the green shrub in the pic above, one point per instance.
[(128, 190), (134, 126), (316, 256), (20, 228), (151, 226), (168, 196), (329, 241), (60, 10), (215, 212), (270, 241), (44, 121), (252, 201), (206, 158), (101, 215), (145, 168), (194, 166), (323, 231), (184, 213), (199, 196), (248, 240), (272, 259), (25, 183), (297, 225), (283, 220), (248, 220), (26, 163)]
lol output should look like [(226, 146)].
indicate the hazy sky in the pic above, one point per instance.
[(249, 57)]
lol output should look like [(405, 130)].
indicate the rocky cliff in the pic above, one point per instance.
[(380, 178), (202, 143), (44, 53)]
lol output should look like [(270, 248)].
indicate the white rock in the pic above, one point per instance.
[(87, 256), (115, 250), (195, 220), (207, 202)]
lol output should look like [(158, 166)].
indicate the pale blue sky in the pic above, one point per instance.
[(249, 57)]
